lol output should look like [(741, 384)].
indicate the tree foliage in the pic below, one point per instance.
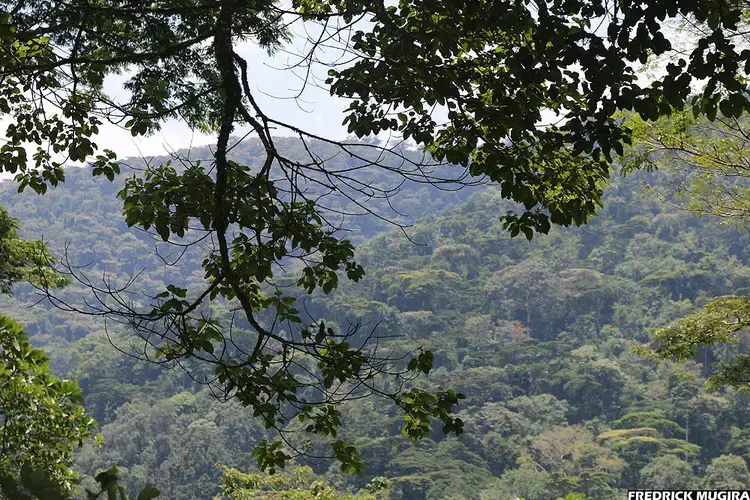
[(706, 161), (717, 324), (301, 484), (727, 472), (164, 427), (667, 472), (42, 416), (266, 232), (22, 260), (37, 484)]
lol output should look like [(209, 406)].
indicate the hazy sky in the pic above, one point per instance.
[(274, 87)]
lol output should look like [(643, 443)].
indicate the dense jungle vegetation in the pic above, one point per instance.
[(535, 333), (451, 302)]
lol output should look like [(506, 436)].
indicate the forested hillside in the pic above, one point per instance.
[(535, 333)]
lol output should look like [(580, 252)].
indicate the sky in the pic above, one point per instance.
[(274, 87)]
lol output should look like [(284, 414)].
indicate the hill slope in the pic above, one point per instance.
[(535, 333)]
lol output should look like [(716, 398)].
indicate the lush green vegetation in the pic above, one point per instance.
[(42, 417), (535, 333), (247, 331), (708, 162)]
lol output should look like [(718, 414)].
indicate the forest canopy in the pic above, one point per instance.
[(262, 233)]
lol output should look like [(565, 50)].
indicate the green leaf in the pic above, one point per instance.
[(148, 493)]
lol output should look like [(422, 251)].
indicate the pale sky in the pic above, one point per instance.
[(274, 89), (316, 111)]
